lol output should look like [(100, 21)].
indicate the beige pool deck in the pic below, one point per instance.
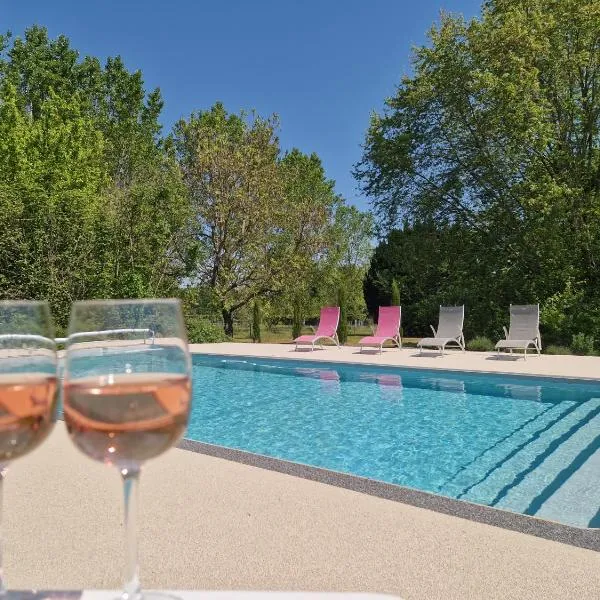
[(580, 367), (209, 523)]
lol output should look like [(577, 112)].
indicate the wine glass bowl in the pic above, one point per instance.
[(127, 419), (126, 391), (28, 381)]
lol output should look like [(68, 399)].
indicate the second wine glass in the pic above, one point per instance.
[(127, 390)]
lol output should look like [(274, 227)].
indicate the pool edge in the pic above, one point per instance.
[(333, 360), (580, 537)]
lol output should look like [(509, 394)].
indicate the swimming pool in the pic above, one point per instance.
[(522, 444)]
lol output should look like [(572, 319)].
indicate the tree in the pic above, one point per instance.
[(353, 233), (342, 330), (420, 259), (259, 219), (395, 294), (349, 256), (256, 319), (342, 262), (91, 204), (297, 320), (496, 135), (312, 196), (96, 203)]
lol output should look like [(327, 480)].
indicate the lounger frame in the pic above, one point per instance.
[(312, 343), (395, 339)]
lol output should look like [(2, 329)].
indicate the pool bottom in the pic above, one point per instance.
[(580, 537)]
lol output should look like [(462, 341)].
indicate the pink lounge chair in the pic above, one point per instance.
[(388, 328), (328, 324)]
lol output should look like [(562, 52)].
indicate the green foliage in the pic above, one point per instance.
[(229, 168), (480, 344), (395, 294), (201, 315), (201, 331), (421, 260), (200, 302), (260, 220), (351, 235), (567, 312), (342, 330), (341, 262), (349, 252), (484, 170), (90, 205), (582, 344), (256, 322), (557, 350), (94, 203), (297, 319)]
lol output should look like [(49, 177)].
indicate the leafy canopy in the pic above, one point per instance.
[(495, 140), (91, 204), (261, 220)]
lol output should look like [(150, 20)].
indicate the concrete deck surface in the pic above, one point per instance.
[(585, 367), (214, 524)]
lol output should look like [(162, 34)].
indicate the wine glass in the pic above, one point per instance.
[(28, 382), (126, 394)]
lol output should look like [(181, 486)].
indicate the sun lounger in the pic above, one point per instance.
[(327, 329), (388, 328), (449, 330), (524, 329)]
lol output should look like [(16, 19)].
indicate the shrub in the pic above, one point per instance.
[(201, 331), (343, 326), (395, 295), (582, 344), (480, 344), (557, 350), (256, 319)]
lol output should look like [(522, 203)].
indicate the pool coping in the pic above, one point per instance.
[(332, 360), (580, 537)]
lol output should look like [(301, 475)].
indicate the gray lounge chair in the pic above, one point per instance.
[(449, 330), (524, 330)]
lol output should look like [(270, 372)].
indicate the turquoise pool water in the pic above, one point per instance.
[(518, 443)]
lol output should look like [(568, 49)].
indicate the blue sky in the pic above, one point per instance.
[(322, 66)]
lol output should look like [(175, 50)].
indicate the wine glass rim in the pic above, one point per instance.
[(126, 301), (23, 302)]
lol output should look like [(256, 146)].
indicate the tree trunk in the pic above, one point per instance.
[(227, 322)]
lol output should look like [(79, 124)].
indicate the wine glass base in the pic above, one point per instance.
[(152, 596)]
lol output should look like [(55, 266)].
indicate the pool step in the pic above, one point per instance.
[(577, 500), (469, 482), (548, 477), (528, 470)]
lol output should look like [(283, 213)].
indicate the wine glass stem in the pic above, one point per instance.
[(3, 470), (131, 590)]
